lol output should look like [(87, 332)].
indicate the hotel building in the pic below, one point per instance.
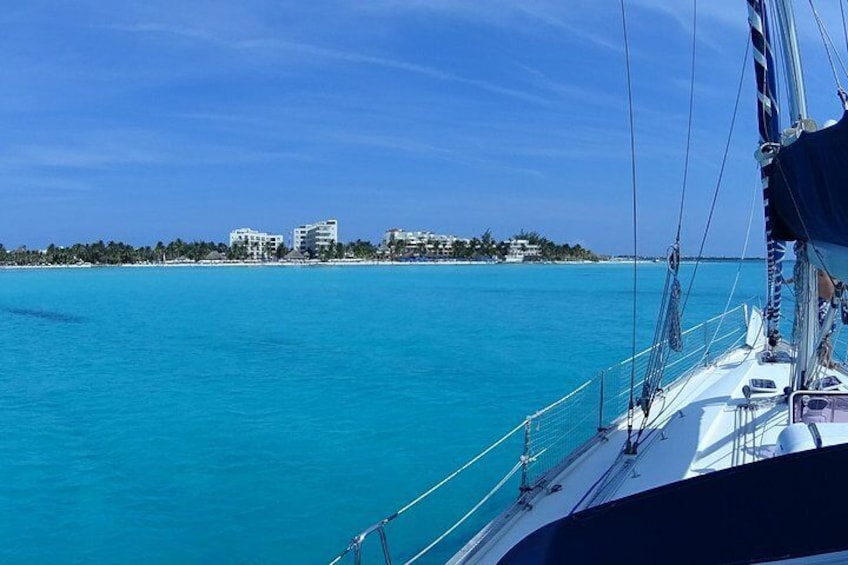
[(417, 241), (521, 250), (312, 238), (259, 245)]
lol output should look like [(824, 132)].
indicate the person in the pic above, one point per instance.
[(826, 290)]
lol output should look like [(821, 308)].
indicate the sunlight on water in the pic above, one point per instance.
[(267, 415)]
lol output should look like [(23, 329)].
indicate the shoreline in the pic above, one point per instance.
[(341, 263)]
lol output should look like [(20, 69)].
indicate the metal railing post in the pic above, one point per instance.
[(601, 426), (706, 345), (525, 458), (385, 543), (552, 436)]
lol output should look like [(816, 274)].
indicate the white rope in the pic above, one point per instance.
[(739, 268), (561, 400), (468, 514), (436, 487), (441, 483), (685, 333), (727, 309), (827, 40), (497, 443), (339, 558)]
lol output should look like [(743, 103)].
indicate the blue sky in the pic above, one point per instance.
[(140, 121)]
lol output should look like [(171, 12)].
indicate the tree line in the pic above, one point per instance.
[(484, 247), (113, 253)]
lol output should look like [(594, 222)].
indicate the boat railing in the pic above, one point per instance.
[(553, 433), (838, 338), (556, 435)]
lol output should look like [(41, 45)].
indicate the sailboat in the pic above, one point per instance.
[(729, 449)]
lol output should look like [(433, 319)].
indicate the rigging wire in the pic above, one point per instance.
[(465, 516), (635, 246), (801, 219), (781, 82), (844, 25), (667, 332), (689, 125), (795, 205), (828, 43), (732, 290), (800, 314), (720, 176)]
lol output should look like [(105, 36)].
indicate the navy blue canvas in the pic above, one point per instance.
[(809, 187)]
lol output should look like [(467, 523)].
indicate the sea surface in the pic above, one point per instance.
[(266, 415)]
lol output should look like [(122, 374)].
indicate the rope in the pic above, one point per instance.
[(666, 335), (801, 218), (721, 317), (768, 112), (652, 431), (441, 483), (720, 177), (560, 401), (739, 267), (781, 80), (668, 323), (633, 190), (468, 514), (468, 464), (801, 257), (689, 125), (844, 25), (827, 40)]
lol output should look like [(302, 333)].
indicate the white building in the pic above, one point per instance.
[(312, 238), (520, 249), (420, 242), (259, 245)]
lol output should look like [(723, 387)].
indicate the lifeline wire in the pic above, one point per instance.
[(668, 320), (689, 127), (635, 247), (720, 177), (825, 36), (844, 26)]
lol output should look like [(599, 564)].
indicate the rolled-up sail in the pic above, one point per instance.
[(768, 122), (809, 187)]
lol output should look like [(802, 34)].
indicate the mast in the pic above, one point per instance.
[(806, 321), (797, 97), (769, 130)]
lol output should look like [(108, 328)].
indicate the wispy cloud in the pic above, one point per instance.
[(499, 99), (573, 91), (187, 32), (275, 46), (75, 156), (120, 149), (530, 17), (52, 184), (396, 64)]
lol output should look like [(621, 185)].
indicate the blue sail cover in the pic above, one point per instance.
[(809, 187), (768, 121)]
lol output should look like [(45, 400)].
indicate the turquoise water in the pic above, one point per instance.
[(265, 415)]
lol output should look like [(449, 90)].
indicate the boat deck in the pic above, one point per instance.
[(702, 423)]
